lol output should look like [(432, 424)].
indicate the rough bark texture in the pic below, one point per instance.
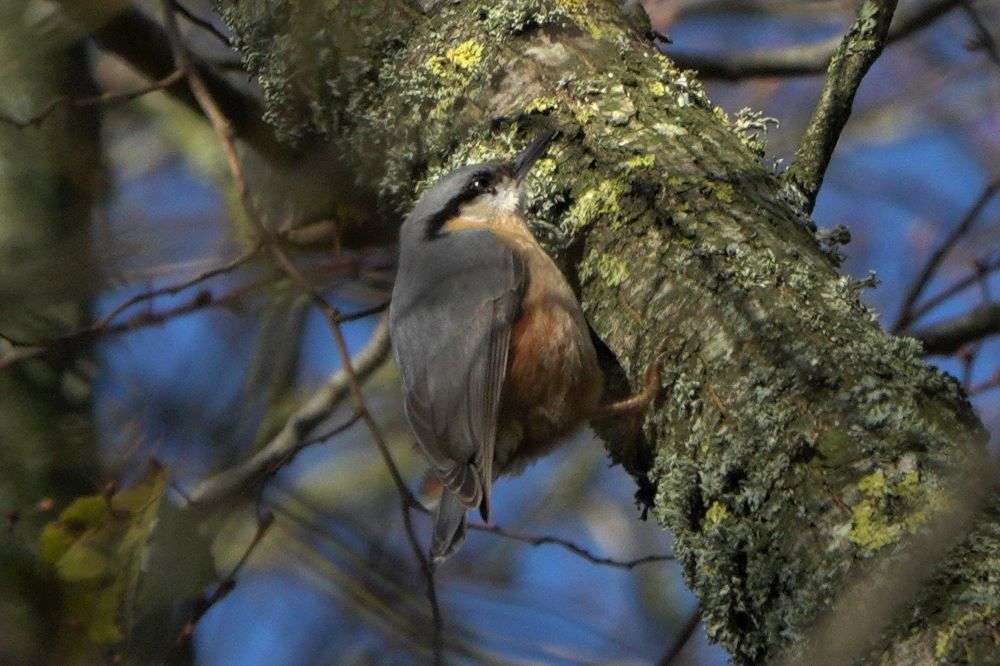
[(796, 444), (49, 177)]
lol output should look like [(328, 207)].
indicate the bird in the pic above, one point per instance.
[(495, 355)]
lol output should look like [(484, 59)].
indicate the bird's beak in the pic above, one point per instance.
[(522, 162)]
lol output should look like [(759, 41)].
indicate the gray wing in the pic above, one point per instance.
[(454, 303)]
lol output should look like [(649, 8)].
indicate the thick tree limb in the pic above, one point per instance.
[(951, 335), (848, 66), (808, 59)]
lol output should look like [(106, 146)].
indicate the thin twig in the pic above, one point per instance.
[(804, 60), (202, 23), (172, 289), (983, 269), (19, 352), (139, 40), (576, 549), (104, 99), (683, 638), (986, 385), (226, 585), (906, 314), (984, 38), (949, 336), (857, 52)]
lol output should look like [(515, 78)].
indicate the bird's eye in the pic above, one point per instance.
[(481, 184)]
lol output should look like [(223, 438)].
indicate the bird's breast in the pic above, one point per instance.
[(553, 380)]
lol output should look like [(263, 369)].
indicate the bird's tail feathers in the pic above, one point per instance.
[(449, 526)]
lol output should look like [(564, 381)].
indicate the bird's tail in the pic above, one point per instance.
[(449, 526)]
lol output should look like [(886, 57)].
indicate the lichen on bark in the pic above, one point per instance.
[(795, 443)]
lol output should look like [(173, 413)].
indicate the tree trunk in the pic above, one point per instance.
[(50, 177), (796, 445)]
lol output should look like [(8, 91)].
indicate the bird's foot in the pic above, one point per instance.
[(637, 403)]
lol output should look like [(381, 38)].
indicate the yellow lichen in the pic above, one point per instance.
[(870, 530), (581, 14), (724, 192), (541, 105), (612, 270), (544, 167), (873, 485), (595, 202), (466, 55), (641, 162), (461, 58), (656, 89), (716, 514)]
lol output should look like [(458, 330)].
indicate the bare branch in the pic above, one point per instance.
[(104, 99), (907, 314), (226, 585), (982, 270), (576, 549), (173, 289), (141, 42), (687, 631), (949, 336), (13, 352), (806, 60), (225, 133), (984, 39), (202, 23), (986, 385), (295, 435), (857, 52)]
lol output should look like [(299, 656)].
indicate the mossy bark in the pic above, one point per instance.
[(50, 176), (796, 444)]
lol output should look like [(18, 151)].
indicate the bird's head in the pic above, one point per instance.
[(477, 192)]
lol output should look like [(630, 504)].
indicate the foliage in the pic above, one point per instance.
[(96, 550)]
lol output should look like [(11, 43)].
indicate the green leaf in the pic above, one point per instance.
[(81, 563), (96, 550)]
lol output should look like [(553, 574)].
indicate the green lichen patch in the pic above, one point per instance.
[(613, 271), (541, 105), (601, 201)]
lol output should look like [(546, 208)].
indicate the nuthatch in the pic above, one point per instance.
[(496, 357)]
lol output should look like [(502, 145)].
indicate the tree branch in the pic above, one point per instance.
[(855, 624), (907, 315), (576, 549), (782, 396), (982, 270), (805, 60), (208, 26), (949, 336), (224, 131), (295, 434), (104, 99), (985, 39), (14, 351), (848, 66), (141, 42)]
